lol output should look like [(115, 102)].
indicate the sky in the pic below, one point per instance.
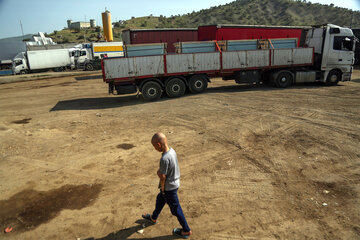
[(49, 15)]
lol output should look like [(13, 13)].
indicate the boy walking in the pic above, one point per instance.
[(169, 174)]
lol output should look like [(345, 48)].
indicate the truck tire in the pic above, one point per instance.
[(333, 78), (23, 72), (89, 67), (151, 91), (197, 84), (175, 87), (284, 80)]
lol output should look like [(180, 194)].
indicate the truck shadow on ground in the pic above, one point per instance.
[(97, 103), (259, 87), (129, 100), (91, 77), (127, 232)]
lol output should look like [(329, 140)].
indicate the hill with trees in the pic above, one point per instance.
[(244, 12)]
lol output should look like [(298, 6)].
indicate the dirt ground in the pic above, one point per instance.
[(256, 162)]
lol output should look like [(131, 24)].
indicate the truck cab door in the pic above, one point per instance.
[(340, 52), (345, 47)]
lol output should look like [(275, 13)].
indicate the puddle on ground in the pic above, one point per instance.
[(22, 121), (30, 208), (125, 146)]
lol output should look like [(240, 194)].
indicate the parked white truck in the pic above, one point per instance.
[(88, 58), (327, 56), (41, 60)]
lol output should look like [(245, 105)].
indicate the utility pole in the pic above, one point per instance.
[(85, 30), (22, 30)]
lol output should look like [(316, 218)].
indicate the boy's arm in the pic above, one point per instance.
[(162, 181)]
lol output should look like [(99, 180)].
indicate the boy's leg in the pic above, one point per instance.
[(174, 204), (160, 203)]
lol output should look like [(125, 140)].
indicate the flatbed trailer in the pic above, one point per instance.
[(173, 73)]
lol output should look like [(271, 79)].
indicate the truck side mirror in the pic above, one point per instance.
[(334, 30)]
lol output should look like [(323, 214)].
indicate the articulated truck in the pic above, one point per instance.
[(88, 58), (327, 56)]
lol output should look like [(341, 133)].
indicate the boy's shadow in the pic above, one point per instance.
[(127, 232)]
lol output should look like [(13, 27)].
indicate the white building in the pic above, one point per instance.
[(40, 40), (81, 25)]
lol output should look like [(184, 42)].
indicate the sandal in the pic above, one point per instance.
[(177, 232), (148, 218)]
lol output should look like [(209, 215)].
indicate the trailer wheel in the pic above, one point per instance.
[(151, 91), (175, 87), (333, 77), (89, 67), (197, 84), (284, 80)]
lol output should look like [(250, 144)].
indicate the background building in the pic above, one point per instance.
[(81, 25)]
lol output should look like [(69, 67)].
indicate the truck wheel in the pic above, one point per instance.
[(284, 80), (175, 88), (23, 72), (197, 84), (151, 91), (333, 78), (89, 67)]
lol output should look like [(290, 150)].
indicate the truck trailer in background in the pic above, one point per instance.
[(41, 60), (327, 56), (89, 56), (245, 32), (161, 35)]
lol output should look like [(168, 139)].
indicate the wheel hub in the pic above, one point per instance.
[(175, 88), (152, 92), (198, 84), (333, 78)]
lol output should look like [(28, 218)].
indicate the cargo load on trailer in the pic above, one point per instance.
[(326, 56), (160, 35)]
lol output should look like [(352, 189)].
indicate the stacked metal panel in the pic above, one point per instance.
[(137, 50), (170, 36), (241, 45), (195, 47), (283, 43), (238, 45)]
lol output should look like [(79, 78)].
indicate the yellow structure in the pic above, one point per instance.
[(107, 25), (109, 49)]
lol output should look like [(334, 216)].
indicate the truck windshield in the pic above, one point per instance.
[(343, 43), (18, 62), (76, 53)]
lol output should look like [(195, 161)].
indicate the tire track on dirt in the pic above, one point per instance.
[(218, 136), (54, 167)]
